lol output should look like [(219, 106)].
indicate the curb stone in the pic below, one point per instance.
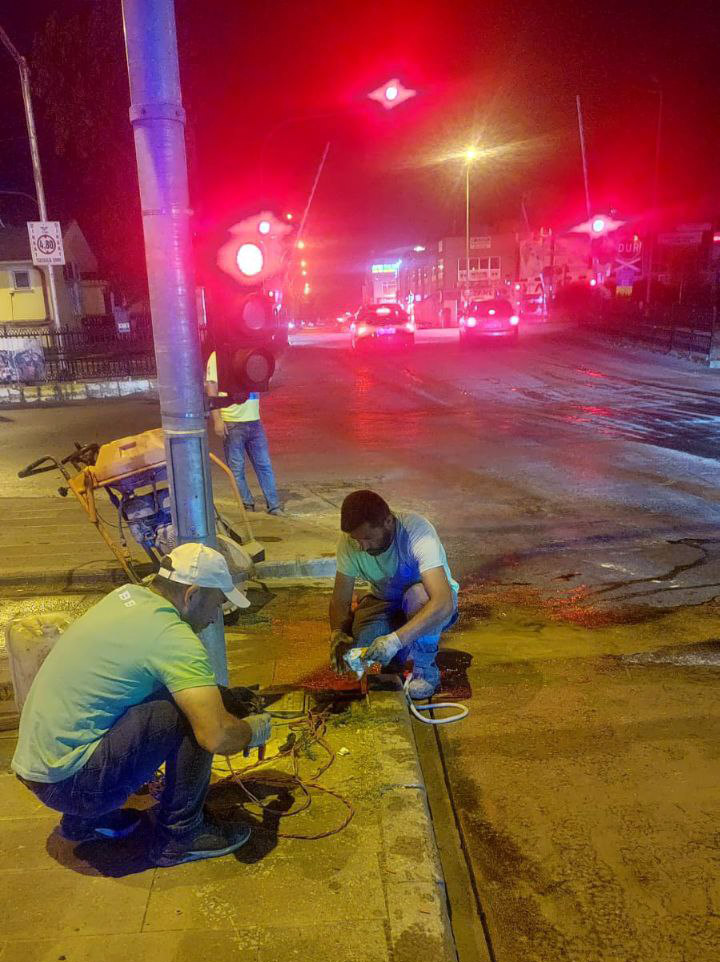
[(416, 894)]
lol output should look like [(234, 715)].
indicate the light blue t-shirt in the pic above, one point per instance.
[(128, 646), (415, 549)]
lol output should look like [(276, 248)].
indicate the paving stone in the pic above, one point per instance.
[(68, 903), (156, 946), (16, 800), (419, 926), (223, 893), (409, 850), (354, 942)]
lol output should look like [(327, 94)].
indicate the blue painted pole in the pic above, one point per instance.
[(158, 119)]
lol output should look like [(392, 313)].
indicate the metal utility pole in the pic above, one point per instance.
[(467, 231), (656, 187), (35, 155), (158, 121), (581, 131)]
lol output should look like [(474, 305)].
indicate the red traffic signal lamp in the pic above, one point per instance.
[(255, 250)]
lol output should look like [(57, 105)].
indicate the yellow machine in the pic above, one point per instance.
[(133, 473)]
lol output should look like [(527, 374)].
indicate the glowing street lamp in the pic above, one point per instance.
[(391, 93)]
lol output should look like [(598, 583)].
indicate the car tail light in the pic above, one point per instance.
[(514, 319), (410, 326), (471, 321), (491, 311)]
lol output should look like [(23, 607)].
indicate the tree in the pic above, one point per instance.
[(80, 81)]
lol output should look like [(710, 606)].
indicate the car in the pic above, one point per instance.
[(493, 318), (382, 326)]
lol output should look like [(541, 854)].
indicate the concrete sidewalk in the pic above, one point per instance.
[(49, 543), (373, 892)]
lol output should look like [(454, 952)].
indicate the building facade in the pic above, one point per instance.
[(24, 298)]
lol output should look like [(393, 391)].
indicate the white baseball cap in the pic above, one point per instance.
[(196, 564)]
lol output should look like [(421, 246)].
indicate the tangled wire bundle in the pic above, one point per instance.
[(304, 733)]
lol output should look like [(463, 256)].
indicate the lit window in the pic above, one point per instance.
[(21, 280)]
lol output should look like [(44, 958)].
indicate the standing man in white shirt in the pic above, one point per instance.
[(413, 596), (242, 433)]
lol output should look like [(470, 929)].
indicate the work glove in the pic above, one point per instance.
[(383, 649), (340, 642), (260, 728)]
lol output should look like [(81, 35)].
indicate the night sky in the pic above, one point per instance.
[(267, 83)]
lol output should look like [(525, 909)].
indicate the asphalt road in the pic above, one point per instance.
[(575, 489), (562, 448)]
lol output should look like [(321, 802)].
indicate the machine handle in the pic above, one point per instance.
[(35, 468)]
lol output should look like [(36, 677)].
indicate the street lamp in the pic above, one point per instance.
[(35, 157), (470, 155)]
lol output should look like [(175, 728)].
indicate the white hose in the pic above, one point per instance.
[(462, 710)]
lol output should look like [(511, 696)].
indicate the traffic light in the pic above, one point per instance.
[(244, 317)]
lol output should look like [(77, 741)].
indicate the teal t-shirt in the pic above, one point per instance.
[(128, 646), (415, 548)]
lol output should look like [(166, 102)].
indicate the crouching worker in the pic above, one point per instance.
[(126, 688), (412, 598)]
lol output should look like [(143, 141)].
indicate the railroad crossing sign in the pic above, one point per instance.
[(46, 244)]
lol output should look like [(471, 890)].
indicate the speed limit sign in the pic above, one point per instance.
[(46, 244)]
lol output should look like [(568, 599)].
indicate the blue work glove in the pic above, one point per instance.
[(383, 649), (260, 727)]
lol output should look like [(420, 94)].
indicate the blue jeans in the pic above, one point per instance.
[(374, 617), (249, 437), (148, 734)]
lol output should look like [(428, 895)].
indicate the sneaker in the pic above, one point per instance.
[(112, 825), (210, 840), (279, 510), (424, 683)]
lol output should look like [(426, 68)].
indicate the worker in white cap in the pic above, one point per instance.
[(126, 688)]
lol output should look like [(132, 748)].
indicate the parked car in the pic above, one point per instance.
[(382, 326), (494, 318)]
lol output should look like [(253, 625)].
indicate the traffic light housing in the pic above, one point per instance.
[(244, 317)]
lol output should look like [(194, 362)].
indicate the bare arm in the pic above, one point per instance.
[(211, 388), (435, 614), (215, 729), (341, 603)]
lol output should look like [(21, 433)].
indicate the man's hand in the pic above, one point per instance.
[(383, 649), (340, 642), (260, 726)]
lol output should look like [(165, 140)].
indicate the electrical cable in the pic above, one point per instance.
[(462, 710), (308, 730)]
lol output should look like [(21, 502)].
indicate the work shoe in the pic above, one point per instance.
[(276, 511), (118, 824), (210, 840), (424, 682)]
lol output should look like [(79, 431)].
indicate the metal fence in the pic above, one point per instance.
[(676, 327), (93, 350)]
